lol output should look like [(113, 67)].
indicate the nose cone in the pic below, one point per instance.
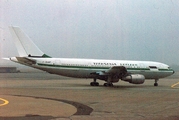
[(173, 71)]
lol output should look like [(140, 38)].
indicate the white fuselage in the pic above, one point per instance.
[(81, 68)]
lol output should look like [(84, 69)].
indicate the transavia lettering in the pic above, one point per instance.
[(104, 63)]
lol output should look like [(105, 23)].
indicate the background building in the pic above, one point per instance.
[(8, 70)]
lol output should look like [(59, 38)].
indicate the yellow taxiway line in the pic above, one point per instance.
[(173, 86), (5, 102)]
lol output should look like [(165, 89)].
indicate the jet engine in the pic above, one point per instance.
[(134, 79)]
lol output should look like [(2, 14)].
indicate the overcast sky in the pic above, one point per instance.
[(102, 29)]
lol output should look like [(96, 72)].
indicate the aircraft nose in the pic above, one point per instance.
[(173, 71)]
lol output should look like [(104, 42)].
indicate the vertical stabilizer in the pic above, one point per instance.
[(24, 44)]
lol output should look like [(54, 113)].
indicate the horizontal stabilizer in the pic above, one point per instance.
[(6, 58)]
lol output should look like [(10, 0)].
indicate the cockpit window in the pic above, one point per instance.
[(153, 67)]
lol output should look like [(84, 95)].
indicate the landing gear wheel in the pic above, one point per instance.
[(108, 84), (94, 84), (155, 84), (105, 84)]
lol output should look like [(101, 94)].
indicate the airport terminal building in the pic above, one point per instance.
[(8, 70)]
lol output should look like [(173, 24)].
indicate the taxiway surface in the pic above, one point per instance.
[(43, 96)]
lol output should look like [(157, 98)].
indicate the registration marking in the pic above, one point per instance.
[(5, 102), (173, 86)]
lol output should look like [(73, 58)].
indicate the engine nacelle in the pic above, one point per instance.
[(134, 79)]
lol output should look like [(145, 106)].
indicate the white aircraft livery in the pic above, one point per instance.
[(111, 71)]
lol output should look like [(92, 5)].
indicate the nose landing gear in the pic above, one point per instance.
[(156, 84)]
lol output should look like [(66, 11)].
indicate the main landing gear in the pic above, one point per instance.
[(94, 83), (108, 84), (156, 84)]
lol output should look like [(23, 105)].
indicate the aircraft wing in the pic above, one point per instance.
[(113, 71), (117, 70)]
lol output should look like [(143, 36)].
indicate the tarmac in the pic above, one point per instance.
[(42, 96)]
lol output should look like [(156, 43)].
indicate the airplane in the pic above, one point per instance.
[(110, 71)]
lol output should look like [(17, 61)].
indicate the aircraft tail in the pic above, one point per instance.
[(24, 44)]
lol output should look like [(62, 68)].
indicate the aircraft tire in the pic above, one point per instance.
[(155, 84), (108, 84), (94, 84)]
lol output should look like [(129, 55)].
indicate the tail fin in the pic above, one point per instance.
[(24, 44)]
